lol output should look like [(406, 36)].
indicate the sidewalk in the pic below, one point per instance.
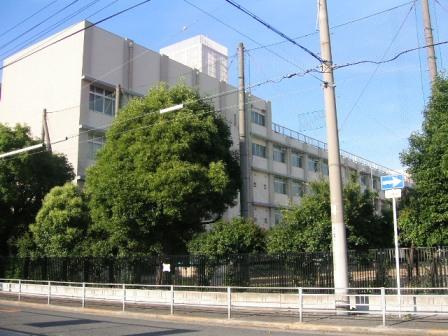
[(325, 323)]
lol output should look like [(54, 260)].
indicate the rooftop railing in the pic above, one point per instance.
[(279, 129)]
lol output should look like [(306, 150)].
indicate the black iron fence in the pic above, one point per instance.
[(419, 267)]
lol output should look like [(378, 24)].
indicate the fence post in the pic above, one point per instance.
[(300, 304), (383, 305), (229, 302), (20, 289), (49, 292), (172, 300), (83, 294), (124, 297)]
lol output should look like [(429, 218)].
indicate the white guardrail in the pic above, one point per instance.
[(376, 301)]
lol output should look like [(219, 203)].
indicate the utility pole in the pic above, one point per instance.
[(429, 41), (339, 241), (244, 148), (45, 132)]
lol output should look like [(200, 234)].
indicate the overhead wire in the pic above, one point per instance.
[(57, 35), (338, 25), (275, 30), (372, 75), (205, 98), (247, 36), (38, 24), (419, 55), (27, 18), (341, 66), (90, 25), (436, 19), (43, 32)]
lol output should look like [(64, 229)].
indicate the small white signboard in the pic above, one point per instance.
[(166, 267), (392, 193)]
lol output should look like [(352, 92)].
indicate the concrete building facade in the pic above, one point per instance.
[(200, 52), (83, 80)]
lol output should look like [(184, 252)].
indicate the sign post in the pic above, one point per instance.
[(392, 186)]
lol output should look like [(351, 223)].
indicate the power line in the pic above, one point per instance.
[(76, 32), (38, 24), (338, 25), (275, 30), (442, 6), (48, 29), (419, 55), (364, 89), (336, 67), (436, 17), (27, 18), (246, 36)]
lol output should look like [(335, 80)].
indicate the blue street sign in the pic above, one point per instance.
[(392, 182)]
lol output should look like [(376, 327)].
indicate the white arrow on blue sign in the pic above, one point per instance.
[(392, 182)]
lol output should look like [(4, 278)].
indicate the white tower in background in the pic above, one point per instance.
[(201, 53)]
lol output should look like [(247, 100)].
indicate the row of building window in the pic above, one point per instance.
[(279, 155), (281, 187)]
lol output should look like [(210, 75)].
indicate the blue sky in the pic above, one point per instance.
[(377, 108)]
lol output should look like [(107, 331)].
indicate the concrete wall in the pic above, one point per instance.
[(247, 299)]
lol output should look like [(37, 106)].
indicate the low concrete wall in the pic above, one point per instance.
[(409, 303)]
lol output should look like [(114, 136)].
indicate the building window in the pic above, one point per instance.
[(277, 216), (258, 118), (279, 154), (102, 100), (364, 179), (325, 170), (258, 150), (280, 185), (313, 164), (297, 159), (95, 143), (375, 182), (298, 188)]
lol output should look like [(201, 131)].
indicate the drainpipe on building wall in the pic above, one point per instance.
[(117, 98)]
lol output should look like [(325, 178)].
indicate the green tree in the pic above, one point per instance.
[(228, 243), (424, 219), (307, 227), (160, 175), (61, 225), (24, 181), (226, 238)]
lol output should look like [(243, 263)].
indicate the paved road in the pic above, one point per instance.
[(15, 321)]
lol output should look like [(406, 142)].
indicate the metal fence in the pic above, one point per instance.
[(419, 267), (294, 301)]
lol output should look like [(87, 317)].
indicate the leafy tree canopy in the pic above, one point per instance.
[(227, 238), (159, 175), (424, 219), (307, 227), (24, 181), (61, 225)]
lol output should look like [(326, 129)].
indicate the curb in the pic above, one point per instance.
[(292, 326)]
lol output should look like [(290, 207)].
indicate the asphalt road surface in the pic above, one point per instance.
[(18, 321)]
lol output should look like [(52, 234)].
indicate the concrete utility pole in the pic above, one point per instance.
[(45, 132), (244, 148), (429, 41), (339, 240)]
